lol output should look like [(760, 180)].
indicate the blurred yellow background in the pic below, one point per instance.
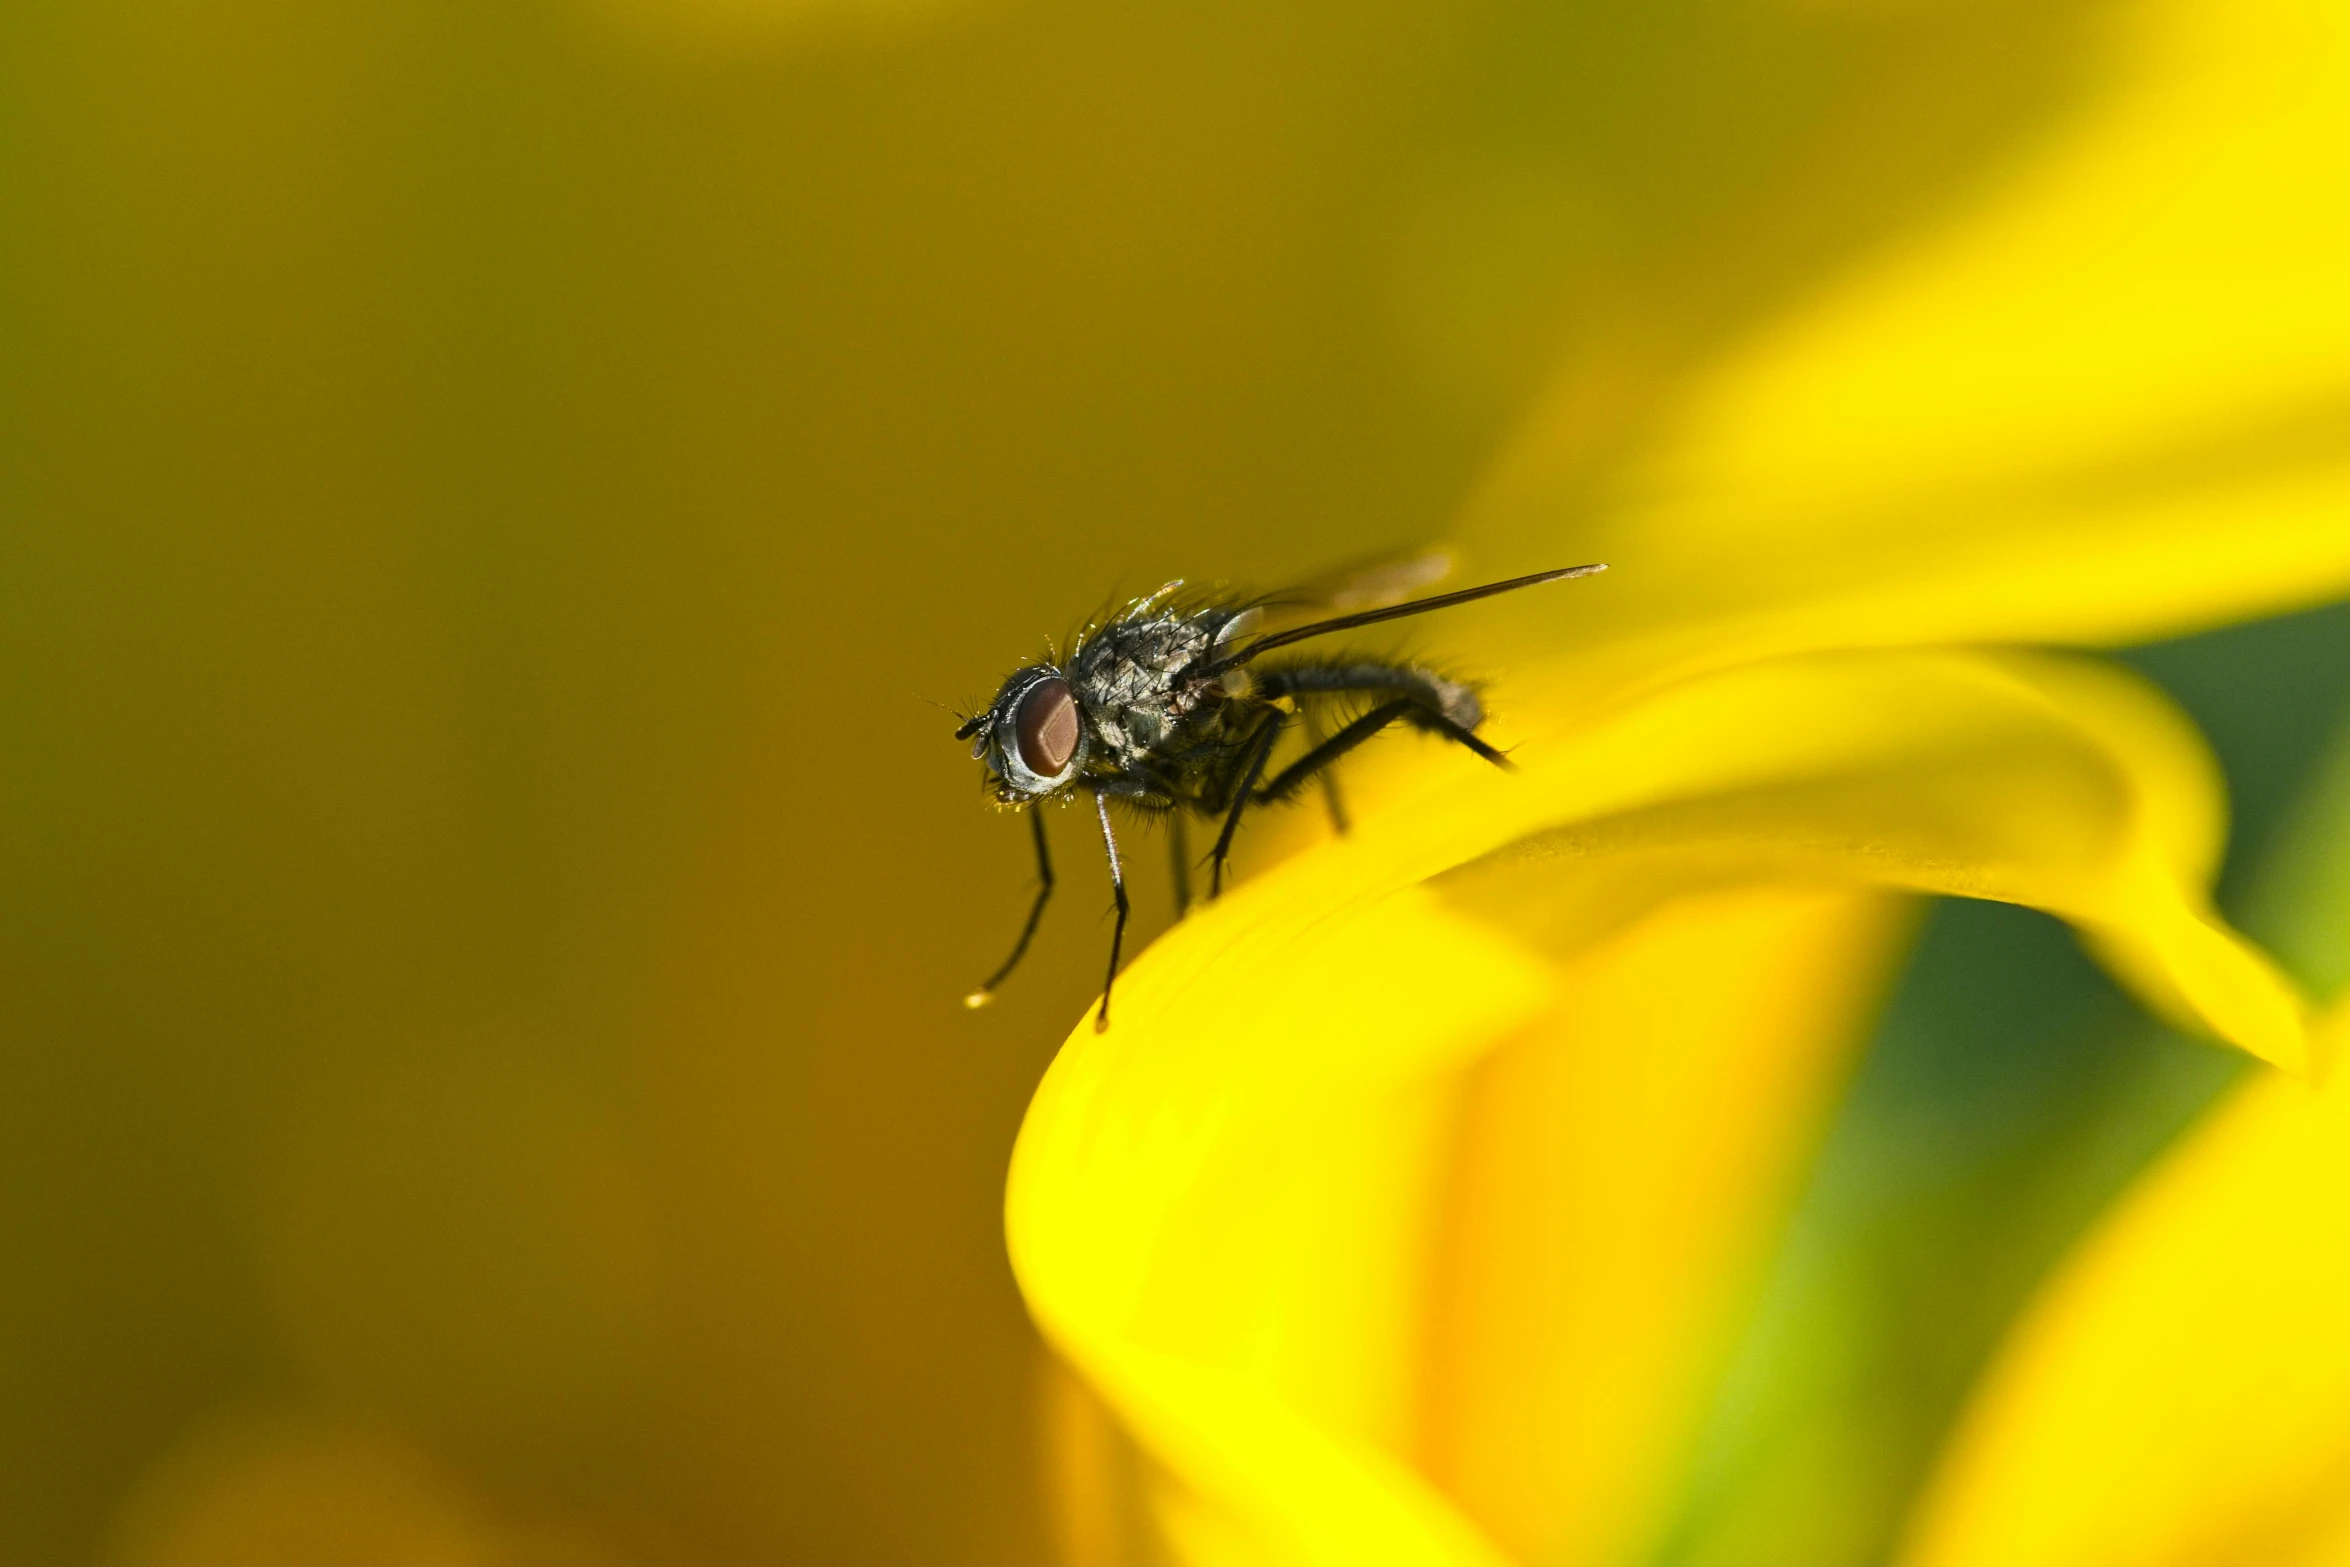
[(495, 498)]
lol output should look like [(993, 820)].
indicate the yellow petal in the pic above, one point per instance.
[(2061, 784), (1219, 1210), (1622, 1167), (1212, 1212), (2181, 1392), (2109, 399)]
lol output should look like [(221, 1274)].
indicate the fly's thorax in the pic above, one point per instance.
[(1133, 681), (1129, 660), (1034, 740)]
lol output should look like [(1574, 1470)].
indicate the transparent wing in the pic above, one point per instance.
[(1373, 582)]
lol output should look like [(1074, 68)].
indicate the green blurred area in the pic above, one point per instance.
[(491, 493), (2009, 1095)]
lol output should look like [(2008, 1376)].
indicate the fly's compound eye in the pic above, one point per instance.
[(1036, 736), (1045, 727)]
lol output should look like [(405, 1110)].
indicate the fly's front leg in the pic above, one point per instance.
[(1101, 806), (1044, 891), (1153, 793)]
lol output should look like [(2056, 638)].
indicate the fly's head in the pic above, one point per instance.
[(1031, 737)]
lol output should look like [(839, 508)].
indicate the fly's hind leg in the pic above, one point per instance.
[(1339, 823), (1332, 799), (1433, 702), (1179, 851), (1260, 752), (1316, 762), (1439, 694)]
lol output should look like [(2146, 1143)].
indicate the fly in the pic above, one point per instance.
[(1166, 711)]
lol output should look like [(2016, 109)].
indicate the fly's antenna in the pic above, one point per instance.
[(966, 725), (1372, 617)]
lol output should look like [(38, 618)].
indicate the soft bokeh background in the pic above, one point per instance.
[(489, 495)]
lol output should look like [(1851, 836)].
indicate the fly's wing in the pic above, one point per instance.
[(1374, 582), (1371, 617)]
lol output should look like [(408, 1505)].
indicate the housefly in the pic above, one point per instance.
[(1167, 710)]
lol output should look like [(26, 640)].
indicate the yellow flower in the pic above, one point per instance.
[(2181, 1392), (1397, 1218)]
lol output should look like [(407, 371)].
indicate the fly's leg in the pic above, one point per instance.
[(1441, 705), (1331, 798), (1298, 773), (1179, 850), (1101, 806), (1044, 891), (1259, 754), (1336, 802), (1154, 794), (1432, 691)]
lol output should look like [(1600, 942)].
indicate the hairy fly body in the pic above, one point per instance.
[(1166, 710)]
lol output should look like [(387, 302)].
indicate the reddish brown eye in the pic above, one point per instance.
[(1046, 727)]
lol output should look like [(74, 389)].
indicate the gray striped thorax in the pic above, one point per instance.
[(1138, 681)]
